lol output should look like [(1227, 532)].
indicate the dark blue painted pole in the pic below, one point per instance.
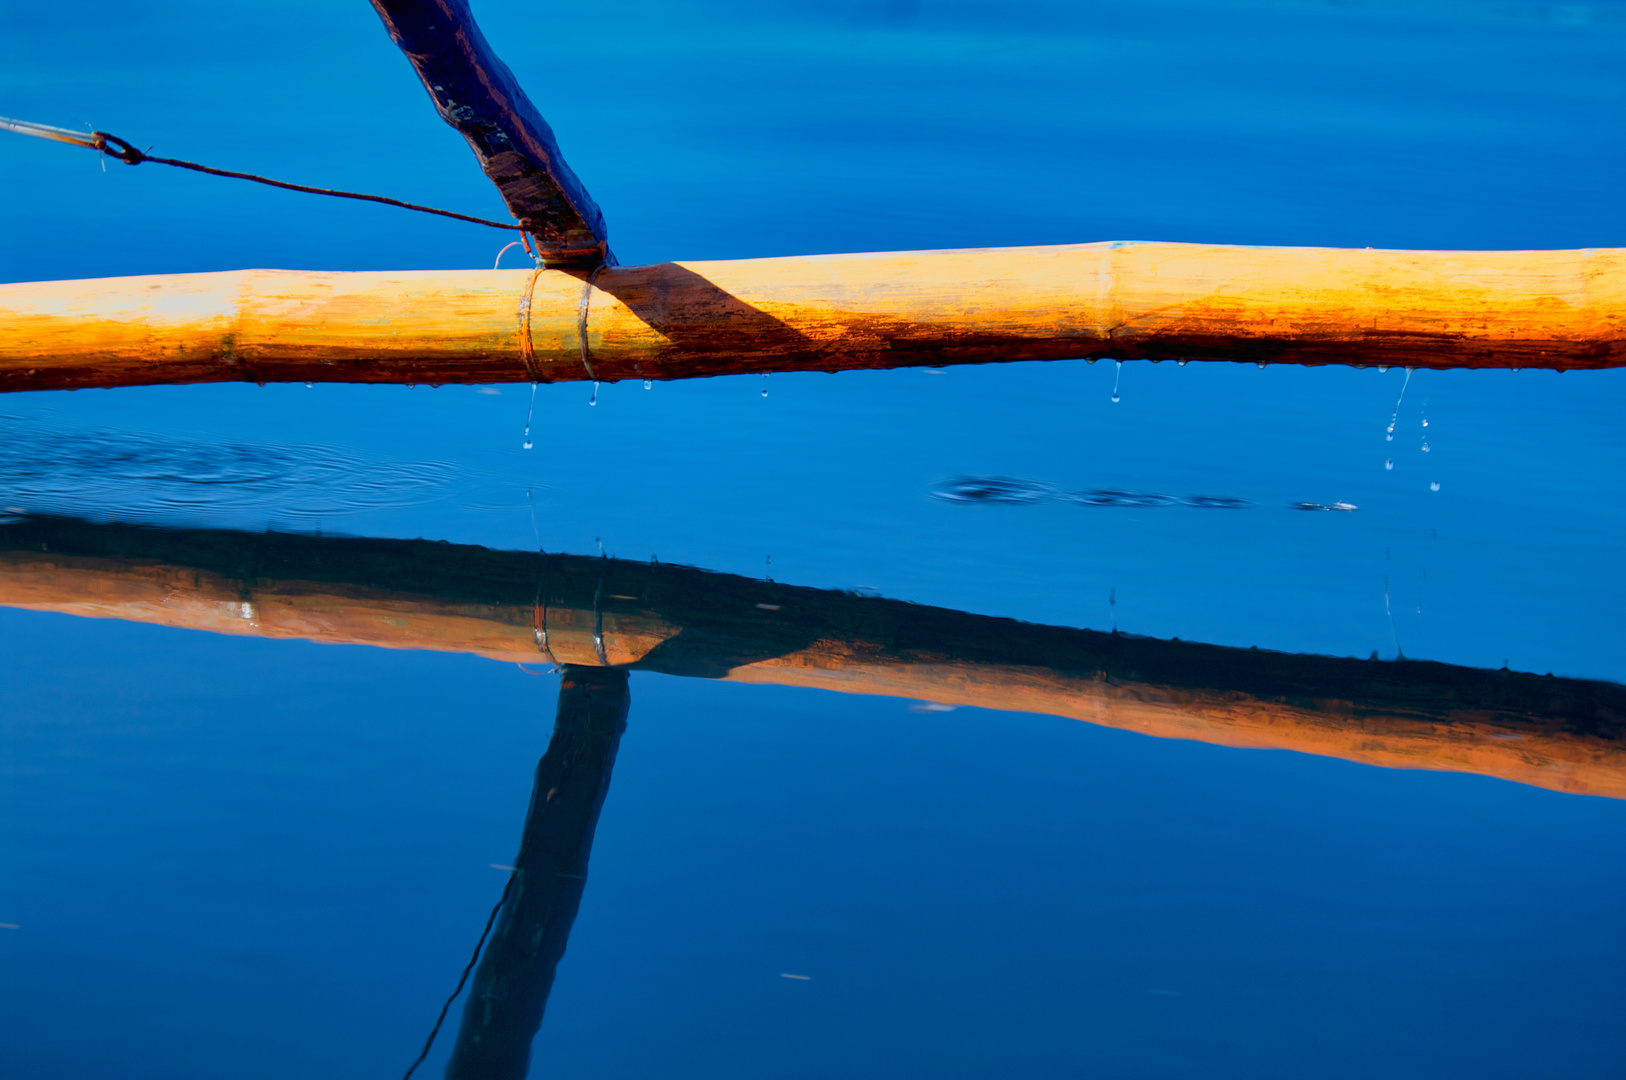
[(476, 93)]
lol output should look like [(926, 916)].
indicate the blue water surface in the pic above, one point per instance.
[(234, 856)]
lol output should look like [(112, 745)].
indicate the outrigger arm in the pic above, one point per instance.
[(578, 316)]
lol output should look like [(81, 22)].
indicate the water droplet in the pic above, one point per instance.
[(594, 399), (765, 384), (1425, 422), (1434, 485), (1389, 463), (1389, 432), (1116, 379), (529, 412), (1261, 364), (648, 384), (310, 386), (1425, 448), (1182, 361), (1383, 369)]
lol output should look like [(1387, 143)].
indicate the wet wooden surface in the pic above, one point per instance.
[(1554, 309), (1563, 734)]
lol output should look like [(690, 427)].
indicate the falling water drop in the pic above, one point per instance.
[(648, 384), (310, 386), (1182, 361), (529, 412), (1389, 463), (1434, 485), (1261, 364), (765, 384), (1425, 446), (1116, 379), (594, 399), (1389, 432)]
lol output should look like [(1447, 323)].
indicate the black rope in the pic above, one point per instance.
[(113, 146), (444, 1009)]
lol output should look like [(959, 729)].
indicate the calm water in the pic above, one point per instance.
[(227, 854)]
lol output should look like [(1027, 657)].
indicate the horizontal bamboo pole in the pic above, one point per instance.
[(1564, 734), (1501, 309)]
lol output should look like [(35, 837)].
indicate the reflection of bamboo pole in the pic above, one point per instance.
[(1553, 309), (1563, 734)]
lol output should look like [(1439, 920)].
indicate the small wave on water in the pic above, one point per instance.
[(990, 489), (1216, 502), (1115, 497), (45, 469), (1005, 489)]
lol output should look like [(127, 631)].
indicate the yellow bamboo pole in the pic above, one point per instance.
[(1131, 300)]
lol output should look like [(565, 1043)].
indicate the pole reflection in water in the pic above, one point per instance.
[(504, 1009), (591, 611), (599, 618)]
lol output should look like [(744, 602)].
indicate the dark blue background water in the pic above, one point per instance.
[(228, 855)]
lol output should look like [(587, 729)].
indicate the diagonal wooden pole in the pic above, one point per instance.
[(475, 93)]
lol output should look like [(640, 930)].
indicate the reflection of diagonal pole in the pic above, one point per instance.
[(504, 1009)]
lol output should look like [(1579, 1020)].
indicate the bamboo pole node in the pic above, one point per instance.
[(527, 347), (581, 319)]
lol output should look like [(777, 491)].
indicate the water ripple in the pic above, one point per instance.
[(990, 489), (46, 469), (1117, 497), (1017, 492)]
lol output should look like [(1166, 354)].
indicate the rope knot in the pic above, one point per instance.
[(113, 146)]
